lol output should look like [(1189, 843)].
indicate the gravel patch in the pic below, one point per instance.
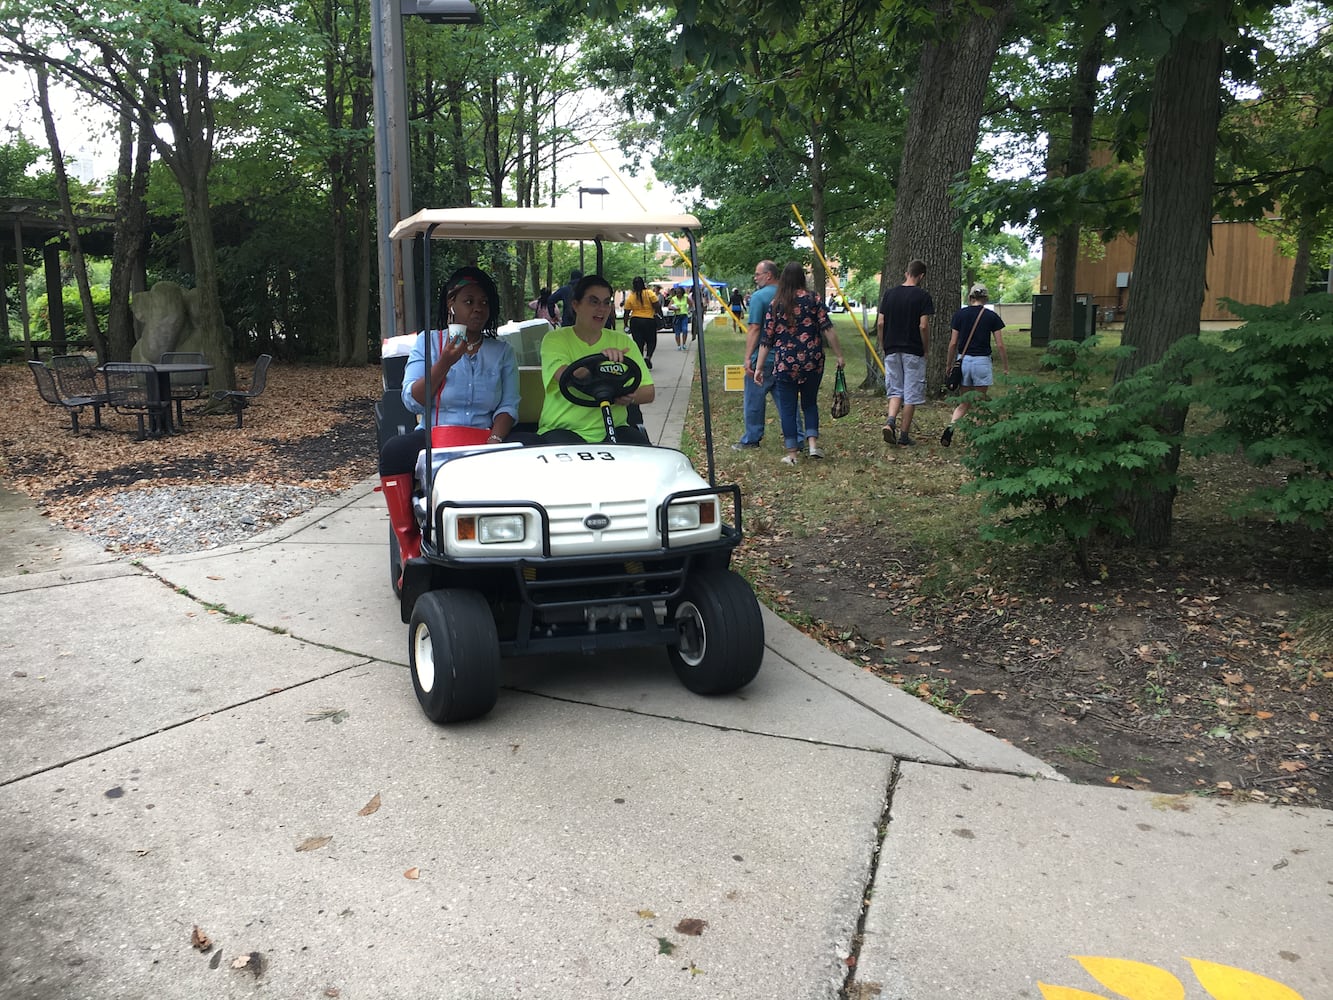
[(177, 519)]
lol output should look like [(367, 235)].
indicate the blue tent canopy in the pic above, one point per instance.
[(703, 279)]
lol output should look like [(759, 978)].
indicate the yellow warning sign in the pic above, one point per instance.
[(734, 380)]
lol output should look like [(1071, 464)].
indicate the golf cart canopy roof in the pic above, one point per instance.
[(540, 224)]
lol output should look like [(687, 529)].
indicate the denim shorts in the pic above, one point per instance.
[(905, 377), (977, 370)]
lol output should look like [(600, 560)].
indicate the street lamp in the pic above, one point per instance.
[(442, 11), (393, 191), (582, 191)]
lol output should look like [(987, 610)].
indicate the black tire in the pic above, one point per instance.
[(395, 564), (454, 653), (721, 633)]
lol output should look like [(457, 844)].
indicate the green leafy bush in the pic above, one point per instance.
[(1272, 388), (1061, 455), (41, 313)]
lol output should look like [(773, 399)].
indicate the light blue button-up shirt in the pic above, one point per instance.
[(476, 388)]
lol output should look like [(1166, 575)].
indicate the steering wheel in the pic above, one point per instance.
[(601, 381)]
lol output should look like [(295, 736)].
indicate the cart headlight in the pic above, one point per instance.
[(685, 516), (495, 528), (490, 528)]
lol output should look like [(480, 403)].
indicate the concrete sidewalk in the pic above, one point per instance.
[(229, 740)]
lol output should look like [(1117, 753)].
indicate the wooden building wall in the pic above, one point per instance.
[(1243, 264)]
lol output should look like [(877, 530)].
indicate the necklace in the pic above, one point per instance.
[(472, 347)]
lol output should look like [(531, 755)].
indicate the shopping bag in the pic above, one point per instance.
[(842, 405)]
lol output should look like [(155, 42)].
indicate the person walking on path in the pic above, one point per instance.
[(680, 319), (755, 399), (542, 308), (737, 306), (564, 295), (641, 307), (795, 332), (978, 370), (903, 328)]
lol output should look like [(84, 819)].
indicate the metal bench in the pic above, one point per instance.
[(76, 375), (133, 388), (240, 398), (50, 391)]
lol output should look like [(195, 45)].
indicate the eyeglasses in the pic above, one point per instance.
[(594, 301)]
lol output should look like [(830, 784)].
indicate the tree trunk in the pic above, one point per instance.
[(80, 266), (131, 224), (943, 119), (1300, 274), (365, 248), (1082, 104), (1167, 288), (209, 322), (874, 378)]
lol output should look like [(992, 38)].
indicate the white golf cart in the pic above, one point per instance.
[(558, 548)]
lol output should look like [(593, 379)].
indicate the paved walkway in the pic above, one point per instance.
[(229, 740)]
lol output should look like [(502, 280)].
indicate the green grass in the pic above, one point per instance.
[(909, 494)]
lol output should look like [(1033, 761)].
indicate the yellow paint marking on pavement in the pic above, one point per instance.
[(1139, 981), (1226, 983), (1066, 993), (1133, 979)]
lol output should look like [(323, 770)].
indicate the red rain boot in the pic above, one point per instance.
[(397, 492)]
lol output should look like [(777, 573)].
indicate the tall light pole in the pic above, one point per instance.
[(393, 168), (582, 191)]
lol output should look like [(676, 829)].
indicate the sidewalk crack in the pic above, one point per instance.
[(852, 989)]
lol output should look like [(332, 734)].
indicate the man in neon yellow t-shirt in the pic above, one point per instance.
[(563, 422)]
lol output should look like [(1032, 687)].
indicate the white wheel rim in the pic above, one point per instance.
[(693, 636), (423, 659)]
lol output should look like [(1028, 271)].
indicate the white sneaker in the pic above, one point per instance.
[(788, 459), (815, 451)]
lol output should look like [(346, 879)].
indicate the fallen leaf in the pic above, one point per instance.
[(1292, 766), (372, 806), (647, 914), (250, 961), (665, 947), (199, 940), (1232, 678), (692, 926), (412, 873), (1263, 715), (312, 843), (212, 577)]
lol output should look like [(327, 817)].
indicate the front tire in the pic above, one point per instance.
[(720, 633), (454, 653)]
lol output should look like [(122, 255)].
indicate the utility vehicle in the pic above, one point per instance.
[(591, 548)]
